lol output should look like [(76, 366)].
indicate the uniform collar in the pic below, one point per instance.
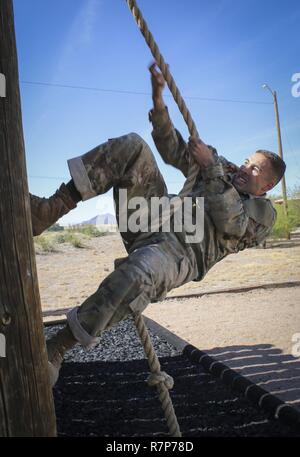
[(251, 196)]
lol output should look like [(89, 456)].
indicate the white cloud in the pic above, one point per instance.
[(80, 34)]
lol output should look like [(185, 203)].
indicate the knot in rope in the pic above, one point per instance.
[(156, 378)]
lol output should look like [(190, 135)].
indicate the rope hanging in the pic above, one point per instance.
[(193, 167), (158, 378)]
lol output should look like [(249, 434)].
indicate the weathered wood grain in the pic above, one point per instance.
[(26, 403)]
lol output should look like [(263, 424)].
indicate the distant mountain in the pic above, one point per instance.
[(101, 219)]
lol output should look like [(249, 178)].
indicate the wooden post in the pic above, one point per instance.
[(26, 402)]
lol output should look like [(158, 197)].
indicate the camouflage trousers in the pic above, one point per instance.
[(156, 263)]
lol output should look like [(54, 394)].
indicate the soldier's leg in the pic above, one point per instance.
[(124, 162), (147, 274), (127, 163)]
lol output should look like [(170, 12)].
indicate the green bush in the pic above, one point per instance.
[(294, 213), (44, 244), (282, 226), (75, 241), (55, 228), (90, 231), (71, 238), (61, 238)]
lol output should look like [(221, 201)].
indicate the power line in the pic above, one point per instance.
[(49, 177), (64, 178), (131, 92)]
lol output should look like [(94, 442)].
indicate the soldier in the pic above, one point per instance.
[(237, 215)]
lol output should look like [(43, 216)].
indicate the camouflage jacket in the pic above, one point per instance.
[(46, 211), (232, 221)]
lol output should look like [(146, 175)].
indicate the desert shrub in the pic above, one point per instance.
[(90, 231), (70, 237), (294, 213), (75, 241), (61, 238), (44, 244), (55, 228), (282, 226)]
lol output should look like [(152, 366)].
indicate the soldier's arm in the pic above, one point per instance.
[(255, 234), (168, 140), (46, 211), (262, 217), (224, 204)]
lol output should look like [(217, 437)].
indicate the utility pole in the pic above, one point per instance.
[(26, 401), (283, 183)]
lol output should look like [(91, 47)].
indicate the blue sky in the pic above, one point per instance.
[(221, 49)]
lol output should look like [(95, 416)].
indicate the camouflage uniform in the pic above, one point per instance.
[(46, 211), (159, 262), (233, 221)]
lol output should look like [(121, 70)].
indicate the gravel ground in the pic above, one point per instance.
[(250, 332), (121, 343), (103, 392), (112, 399)]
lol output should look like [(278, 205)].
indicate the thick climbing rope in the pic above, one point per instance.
[(161, 379), (193, 166), (158, 378)]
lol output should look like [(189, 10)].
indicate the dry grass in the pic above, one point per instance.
[(70, 275)]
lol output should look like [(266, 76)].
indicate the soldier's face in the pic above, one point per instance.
[(255, 175)]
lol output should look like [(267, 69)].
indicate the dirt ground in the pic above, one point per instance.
[(70, 275), (251, 331), (272, 316), (256, 333)]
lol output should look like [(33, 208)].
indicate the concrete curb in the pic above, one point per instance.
[(277, 408), (237, 290), (233, 290)]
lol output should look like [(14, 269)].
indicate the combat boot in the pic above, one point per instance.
[(57, 346)]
